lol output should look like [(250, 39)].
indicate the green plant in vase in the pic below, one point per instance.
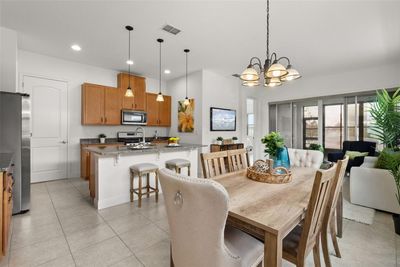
[(275, 148), (317, 147), (220, 139), (386, 128)]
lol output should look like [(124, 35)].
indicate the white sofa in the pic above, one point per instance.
[(373, 187), (305, 158)]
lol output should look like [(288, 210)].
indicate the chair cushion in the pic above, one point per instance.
[(354, 154), (143, 167), (292, 240), (249, 249), (178, 162)]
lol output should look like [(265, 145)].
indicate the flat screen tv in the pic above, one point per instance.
[(222, 119)]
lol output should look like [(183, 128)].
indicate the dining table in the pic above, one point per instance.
[(268, 211)]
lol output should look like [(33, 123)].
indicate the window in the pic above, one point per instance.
[(310, 125), (250, 124), (333, 126)]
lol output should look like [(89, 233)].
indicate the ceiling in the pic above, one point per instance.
[(320, 36)]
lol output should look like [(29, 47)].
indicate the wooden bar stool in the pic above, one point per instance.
[(140, 170), (178, 164)]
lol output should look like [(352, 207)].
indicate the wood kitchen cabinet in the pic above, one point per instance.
[(158, 113), (101, 105), (138, 85), (6, 206)]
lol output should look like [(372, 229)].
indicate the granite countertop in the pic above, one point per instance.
[(155, 148), (96, 141), (5, 161)]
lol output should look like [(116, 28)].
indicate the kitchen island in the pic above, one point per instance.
[(109, 182)]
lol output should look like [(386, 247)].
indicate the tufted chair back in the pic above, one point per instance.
[(197, 210), (305, 158)]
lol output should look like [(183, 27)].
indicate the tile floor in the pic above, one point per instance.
[(63, 229)]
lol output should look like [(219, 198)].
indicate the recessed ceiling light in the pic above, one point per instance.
[(167, 71), (129, 62), (76, 47)]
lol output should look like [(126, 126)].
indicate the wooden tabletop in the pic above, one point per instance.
[(270, 207)]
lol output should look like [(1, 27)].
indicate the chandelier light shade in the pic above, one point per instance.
[(250, 74), (129, 91), (273, 71), (251, 83), (160, 97), (292, 74), (276, 71), (272, 82), (186, 102)]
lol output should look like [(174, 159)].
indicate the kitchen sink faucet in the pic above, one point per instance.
[(141, 132)]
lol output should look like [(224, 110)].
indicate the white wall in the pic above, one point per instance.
[(177, 91), (222, 92), (8, 60), (76, 74), (209, 89)]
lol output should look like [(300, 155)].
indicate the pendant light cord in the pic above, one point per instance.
[(160, 71), (267, 29), (186, 74), (129, 58)]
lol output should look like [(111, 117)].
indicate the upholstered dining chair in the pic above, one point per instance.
[(305, 237), (329, 220), (305, 158), (197, 210)]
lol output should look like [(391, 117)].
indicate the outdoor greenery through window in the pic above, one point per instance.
[(310, 125)]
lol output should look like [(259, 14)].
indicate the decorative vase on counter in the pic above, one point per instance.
[(102, 140), (219, 143), (282, 158)]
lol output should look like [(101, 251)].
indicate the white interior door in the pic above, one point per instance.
[(49, 128)]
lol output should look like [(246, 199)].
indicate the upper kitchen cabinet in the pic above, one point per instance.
[(101, 105), (138, 85), (158, 113)]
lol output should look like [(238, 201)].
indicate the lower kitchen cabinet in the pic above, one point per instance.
[(87, 171), (6, 187)]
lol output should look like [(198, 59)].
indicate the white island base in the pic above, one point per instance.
[(112, 178)]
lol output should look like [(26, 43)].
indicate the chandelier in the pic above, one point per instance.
[(273, 71)]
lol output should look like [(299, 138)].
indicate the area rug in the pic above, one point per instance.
[(357, 213)]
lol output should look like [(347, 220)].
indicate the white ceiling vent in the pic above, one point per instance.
[(171, 29)]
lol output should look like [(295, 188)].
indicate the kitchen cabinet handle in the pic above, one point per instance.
[(105, 120), (101, 119), (132, 106)]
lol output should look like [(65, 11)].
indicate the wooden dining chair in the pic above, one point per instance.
[(305, 237), (329, 220), (213, 164), (238, 159)]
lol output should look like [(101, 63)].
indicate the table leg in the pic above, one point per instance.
[(272, 250), (339, 214)]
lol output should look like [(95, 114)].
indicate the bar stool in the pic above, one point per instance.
[(178, 164), (140, 170)]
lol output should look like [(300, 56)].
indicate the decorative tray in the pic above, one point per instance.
[(263, 171)]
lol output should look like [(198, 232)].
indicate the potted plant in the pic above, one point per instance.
[(386, 114), (220, 140), (102, 138), (235, 139), (275, 148), (317, 147)]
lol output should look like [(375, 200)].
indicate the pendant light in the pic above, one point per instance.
[(160, 97), (129, 91), (273, 72), (186, 102)]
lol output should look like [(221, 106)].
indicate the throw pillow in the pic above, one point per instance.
[(354, 154), (388, 159)]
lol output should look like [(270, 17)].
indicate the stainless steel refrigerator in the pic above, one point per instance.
[(15, 136)]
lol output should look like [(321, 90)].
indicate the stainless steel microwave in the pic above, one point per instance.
[(132, 117)]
